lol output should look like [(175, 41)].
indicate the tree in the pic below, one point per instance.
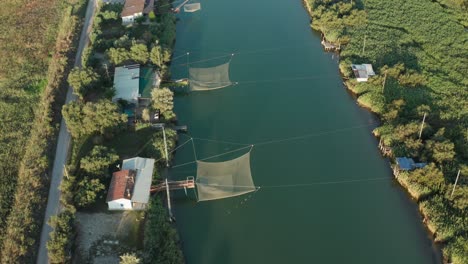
[(160, 56), (161, 239), (89, 118), (157, 148), (87, 191), (441, 151), (145, 115), (82, 80), (110, 15), (430, 177), (139, 53), (152, 16), (97, 162), (118, 55), (129, 259), (156, 56), (123, 42), (61, 238), (163, 99)]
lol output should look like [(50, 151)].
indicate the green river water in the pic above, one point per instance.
[(313, 206)]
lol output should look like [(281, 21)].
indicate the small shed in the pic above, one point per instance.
[(362, 71), (130, 187), (127, 83), (406, 164)]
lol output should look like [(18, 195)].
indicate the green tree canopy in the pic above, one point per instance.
[(159, 55), (89, 118), (139, 53), (441, 151), (82, 80), (97, 162), (128, 258), (118, 55), (157, 147), (59, 245), (429, 176), (162, 99), (87, 191)]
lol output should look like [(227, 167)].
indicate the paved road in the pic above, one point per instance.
[(63, 146)]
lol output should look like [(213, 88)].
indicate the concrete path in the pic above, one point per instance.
[(63, 145)]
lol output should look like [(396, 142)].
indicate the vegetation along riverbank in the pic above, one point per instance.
[(419, 52), (107, 129)]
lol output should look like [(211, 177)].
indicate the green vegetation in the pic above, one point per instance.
[(59, 246), (98, 126), (419, 52), (89, 118), (161, 239), (129, 259), (32, 88), (163, 100), (82, 80)]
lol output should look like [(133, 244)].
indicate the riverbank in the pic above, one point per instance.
[(407, 87)]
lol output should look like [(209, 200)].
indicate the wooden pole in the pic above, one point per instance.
[(169, 201), (188, 71), (422, 126), (455, 185), (66, 171), (384, 80)]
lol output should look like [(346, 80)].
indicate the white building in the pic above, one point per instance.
[(127, 83), (362, 71), (130, 187), (132, 10)]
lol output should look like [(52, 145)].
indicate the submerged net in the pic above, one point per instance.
[(212, 78), (192, 7), (217, 180)]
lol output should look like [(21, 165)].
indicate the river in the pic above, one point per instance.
[(328, 195)]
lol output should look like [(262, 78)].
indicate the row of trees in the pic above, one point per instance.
[(139, 53), (89, 118), (419, 65)]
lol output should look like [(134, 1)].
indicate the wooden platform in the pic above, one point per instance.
[(189, 183)]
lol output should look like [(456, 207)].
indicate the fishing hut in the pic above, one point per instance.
[(406, 164)]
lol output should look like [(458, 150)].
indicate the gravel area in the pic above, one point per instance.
[(103, 237)]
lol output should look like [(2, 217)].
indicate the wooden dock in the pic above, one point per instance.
[(328, 46), (189, 183)]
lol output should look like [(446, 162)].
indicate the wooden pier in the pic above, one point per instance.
[(386, 151), (189, 183), (328, 46)]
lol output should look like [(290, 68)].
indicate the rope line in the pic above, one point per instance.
[(290, 138), (220, 141), (181, 145), (204, 60), (301, 184), (214, 156), (314, 134)]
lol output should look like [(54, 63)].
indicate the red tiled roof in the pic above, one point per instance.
[(121, 181), (133, 7)]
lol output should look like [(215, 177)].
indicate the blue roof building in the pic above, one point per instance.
[(408, 164)]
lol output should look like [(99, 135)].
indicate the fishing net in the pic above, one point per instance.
[(189, 8), (217, 180), (202, 79)]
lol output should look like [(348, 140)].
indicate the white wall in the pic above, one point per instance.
[(130, 19), (120, 204)]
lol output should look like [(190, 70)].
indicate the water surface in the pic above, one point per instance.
[(288, 89)]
